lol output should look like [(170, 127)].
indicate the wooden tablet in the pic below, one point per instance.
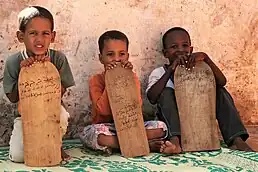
[(127, 113), (40, 106), (195, 92)]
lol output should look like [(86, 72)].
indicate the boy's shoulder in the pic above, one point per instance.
[(158, 70), (55, 54), (97, 77), (14, 58)]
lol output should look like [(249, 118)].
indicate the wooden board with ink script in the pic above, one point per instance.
[(127, 113), (195, 92), (40, 107)]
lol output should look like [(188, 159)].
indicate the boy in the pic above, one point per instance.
[(178, 50), (36, 31), (101, 135)]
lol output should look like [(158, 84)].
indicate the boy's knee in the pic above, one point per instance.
[(223, 95)]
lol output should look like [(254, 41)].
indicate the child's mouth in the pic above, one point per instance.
[(39, 46)]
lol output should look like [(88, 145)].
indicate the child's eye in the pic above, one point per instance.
[(32, 33), (173, 46), (185, 45), (122, 54), (109, 54), (46, 33)]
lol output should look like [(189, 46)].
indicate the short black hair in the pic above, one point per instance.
[(112, 34), (27, 14), (172, 30)]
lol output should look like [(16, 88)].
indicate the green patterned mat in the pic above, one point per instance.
[(84, 160)]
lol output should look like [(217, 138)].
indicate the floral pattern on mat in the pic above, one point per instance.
[(84, 160)]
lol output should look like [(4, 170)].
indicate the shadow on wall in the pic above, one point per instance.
[(7, 112)]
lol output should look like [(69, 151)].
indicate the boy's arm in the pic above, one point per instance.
[(138, 86), (65, 72), (13, 97), (10, 80), (156, 89), (219, 76), (99, 98)]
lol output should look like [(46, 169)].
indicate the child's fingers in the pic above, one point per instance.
[(42, 58), (30, 60), (109, 66), (128, 65), (186, 57), (37, 58), (182, 62), (112, 64), (23, 63), (175, 64), (190, 63), (123, 63)]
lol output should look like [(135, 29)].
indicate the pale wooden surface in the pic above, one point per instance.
[(195, 92), (127, 112), (39, 106)]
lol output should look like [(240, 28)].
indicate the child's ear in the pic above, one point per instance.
[(101, 59), (164, 51), (53, 35), (127, 56), (20, 36), (191, 50)]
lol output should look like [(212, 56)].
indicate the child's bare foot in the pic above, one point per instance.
[(170, 148), (64, 155), (108, 150), (239, 144), (155, 145)]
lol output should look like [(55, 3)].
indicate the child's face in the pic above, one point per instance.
[(37, 36), (177, 43), (114, 51)]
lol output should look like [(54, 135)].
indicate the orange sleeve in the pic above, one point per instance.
[(138, 85), (98, 95)]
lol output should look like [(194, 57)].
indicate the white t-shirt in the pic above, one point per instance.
[(155, 75)]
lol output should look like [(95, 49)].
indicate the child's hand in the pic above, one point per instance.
[(127, 65), (29, 61), (42, 58), (180, 60), (111, 65), (195, 57)]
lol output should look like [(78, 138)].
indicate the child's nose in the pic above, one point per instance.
[(117, 58), (39, 37), (181, 48)]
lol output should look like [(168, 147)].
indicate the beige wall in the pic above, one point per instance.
[(225, 29)]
